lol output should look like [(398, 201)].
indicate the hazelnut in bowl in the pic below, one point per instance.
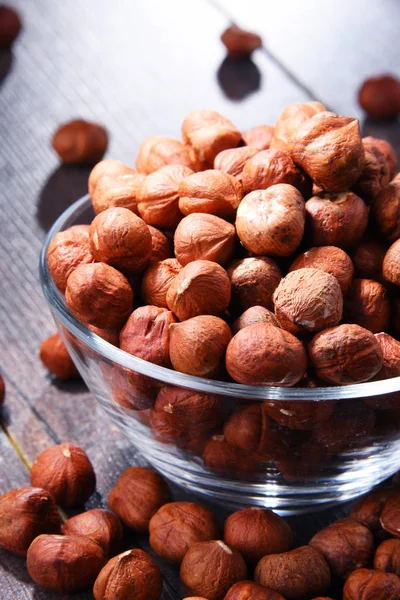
[(271, 389)]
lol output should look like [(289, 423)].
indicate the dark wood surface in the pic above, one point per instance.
[(138, 68)]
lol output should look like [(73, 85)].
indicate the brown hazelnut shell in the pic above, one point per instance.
[(249, 590), (161, 246), (157, 279), (386, 211), (380, 97), (390, 515), (240, 43), (226, 460), (367, 304), (258, 136), (118, 189), (253, 315), (330, 259), (212, 192), (158, 151), (367, 510), (387, 557), (290, 120), (99, 525), (367, 584), (10, 25), (391, 264), (367, 257), (253, 280), (201, 236), (80, 142), (233, 160)]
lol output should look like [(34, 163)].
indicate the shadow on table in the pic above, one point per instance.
[(74, 386), (386, 130), (6, 59), (63, 187), (238, 78)]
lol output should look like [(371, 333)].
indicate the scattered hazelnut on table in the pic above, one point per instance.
[(308, 300), (290, 120), (387, 556), (271, 167), (64, 563), (346, 545), (134, 483), (228, 461), (176, 526), (26, 513), (253, 280), (202, 236), (211, 191), (253, 315), (10, 25), (55, 357), (158, 196), (256, 532), (386, 211), (240, 43), (380, 97), (271, 221), (80, 142), (198, 345), (367, 257), (157, 280), (66, 472), (367, 510), (99, 525), (98, 294), (208, 133), (390, 515), (259, 136), (157, 151), (263, 354), (330, 259), (202, 287), (67, 250), (336, 219), (367, 584), (367, 304), (298, 574), (249, 590), (132, 575), (345, 354), (376, 171), (233, 160), (211, 568)]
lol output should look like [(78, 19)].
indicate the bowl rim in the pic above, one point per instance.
[(59, 310)]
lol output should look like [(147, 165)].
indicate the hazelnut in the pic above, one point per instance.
[(256, 532), (259, 136), (391, 264), (390, 515), (2, 390), (135, 483), (201, 288), (157, 279), (10, 25), (208, 133), (290, 120), (25, 513), (211, 568), (336, 219), (233, 160), (329, 259), (99, 525), (390, 155), (263, 354), (157, 151), (132, 575), (98, 294), (297, 574), (350, 424), (226, 460), (376, 171), (249, 590), (367, 584), (117, 190), (107, 168), (386, 211), (271, 221), (300, 414), (253, 315), (240, 43), (177, 526), (67, 250), (55, 357), (305, 460), (80, 142), (346, 545), (387, 557), (66, 472), (109, 335), (367, 304), (64, 564), (185, 417), (121, 239), (345, 354), (367, 510), (201, 236), (307, 301), (270, 167), (212, 192), (158, 197), (367, 257), (329, 149), (198, 345), (161, 246), (253, 281), (391, 356), (380, 97)]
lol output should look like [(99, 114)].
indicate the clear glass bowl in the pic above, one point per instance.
[(291, 449)]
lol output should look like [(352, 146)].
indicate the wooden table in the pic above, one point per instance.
[(139, 67)]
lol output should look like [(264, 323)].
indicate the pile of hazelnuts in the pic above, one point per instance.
[(250, 557)]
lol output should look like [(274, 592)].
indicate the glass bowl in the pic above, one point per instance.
[(291, 449)]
